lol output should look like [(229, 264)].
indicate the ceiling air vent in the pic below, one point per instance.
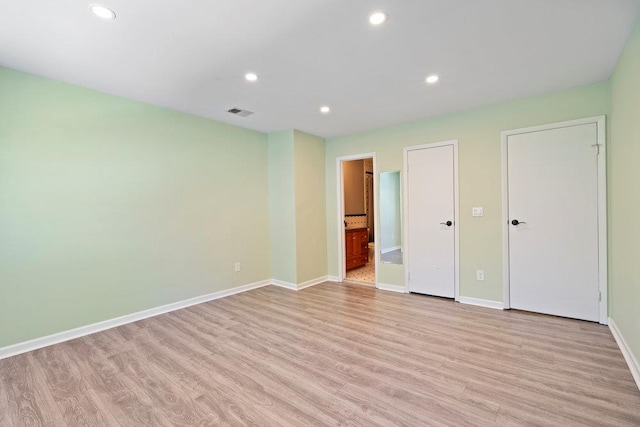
[(239, 112)]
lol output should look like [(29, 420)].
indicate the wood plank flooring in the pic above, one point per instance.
[(327, 355)]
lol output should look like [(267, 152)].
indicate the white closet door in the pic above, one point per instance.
[(431, 216), (553, 221)]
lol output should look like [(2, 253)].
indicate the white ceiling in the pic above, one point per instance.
[(191, 55)]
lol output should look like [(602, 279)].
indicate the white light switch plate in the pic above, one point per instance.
[(477, 211), (479, 274)]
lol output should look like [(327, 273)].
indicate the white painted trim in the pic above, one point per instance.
[(391, 249), (603, 284), (456, 199), (376, 219), (496, 305), (333, 279), (456, 219), (603, 250), (392, 288), (283, 284), (342, 272), (34, 344), (299, 286), (631, 360), (556, 125), (506, 296), (312, 282)]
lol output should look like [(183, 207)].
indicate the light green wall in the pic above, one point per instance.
[(478, 132), (110, 206), (311, 231), (282, 207), (624, 197)]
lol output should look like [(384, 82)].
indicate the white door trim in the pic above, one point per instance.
[(603, 285), (340, 211), (456, 196)]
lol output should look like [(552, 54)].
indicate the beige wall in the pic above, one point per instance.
[(311, 230), (297, 206), (282, 207), (624, 197), (353, 175), (478, 132)]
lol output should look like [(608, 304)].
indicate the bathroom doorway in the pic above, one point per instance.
[(357, 207)]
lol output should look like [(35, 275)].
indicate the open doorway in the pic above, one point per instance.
[(357, 212)]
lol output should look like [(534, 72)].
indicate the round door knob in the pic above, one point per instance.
[(516, 222), (448, 223)]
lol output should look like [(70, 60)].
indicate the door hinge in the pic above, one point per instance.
[(408, 276), (599, 295), (598, 147)]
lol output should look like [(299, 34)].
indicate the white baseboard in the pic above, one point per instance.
[(299, 286), (333, 279), (283, 284), (312, 282), (392, 288), (497, 305), (634, 367), (391, 249), (34, 344)]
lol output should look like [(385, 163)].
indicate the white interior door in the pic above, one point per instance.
[(431, 224), (553, 221)]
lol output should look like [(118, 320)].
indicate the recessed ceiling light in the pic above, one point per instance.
[(377, 18), (432, 79), (325, 109), (252, 77), (102, 11)]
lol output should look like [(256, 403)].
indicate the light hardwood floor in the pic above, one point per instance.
[(327, 355)]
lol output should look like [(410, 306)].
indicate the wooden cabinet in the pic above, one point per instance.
[(357, 247)]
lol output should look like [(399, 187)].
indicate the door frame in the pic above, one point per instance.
[(342, 272), (603, 285), (456, 219)]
